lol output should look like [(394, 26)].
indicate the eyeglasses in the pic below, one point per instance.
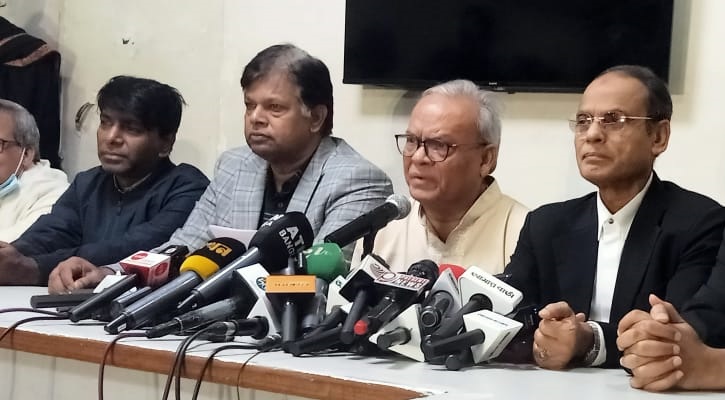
[(4, 143), (436, 150), (611, 121)]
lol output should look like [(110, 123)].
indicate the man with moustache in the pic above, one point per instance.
[(459, 214), (132, 201), (292, 162), (588, 261)]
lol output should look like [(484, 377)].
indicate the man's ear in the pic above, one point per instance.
[(28, 158), (661, 136), (489, 157), (167, 144), (319, 114)]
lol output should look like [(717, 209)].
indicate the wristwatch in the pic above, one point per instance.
[(593, 352)]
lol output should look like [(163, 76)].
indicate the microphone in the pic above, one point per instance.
[(456, 270), (402, 335), (117, 305), (143, 269), (487, 334), (325, 261), (289, 291), (225, 331), (201, 316), (518, 350), (254, 278), (396, 206), (313, 313), (443, 300), (504, 297), (198, 266), (152, 268), (102, 299), (483, 291), (302, 297), (359, 289), (334, 298), (277, 240), (334, 318), (402, 291), (247, 286), (177, 253)]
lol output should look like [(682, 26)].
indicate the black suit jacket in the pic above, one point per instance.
[(706, 311), (669, 251)]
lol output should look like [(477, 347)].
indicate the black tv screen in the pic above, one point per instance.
[(504, 45)]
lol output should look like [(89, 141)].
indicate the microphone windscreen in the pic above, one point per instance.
[(457, 270), (326, 261), (282, 237), (401, 203), (425, 269), (216, 254)]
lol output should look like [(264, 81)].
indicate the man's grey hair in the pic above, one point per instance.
[(489, 108), (25, 131)]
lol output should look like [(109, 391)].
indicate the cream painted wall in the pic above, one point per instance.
[(201, 48)]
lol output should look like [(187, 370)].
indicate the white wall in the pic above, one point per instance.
[(200, 47)]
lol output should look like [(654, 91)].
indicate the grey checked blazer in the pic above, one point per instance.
[(337, 186)]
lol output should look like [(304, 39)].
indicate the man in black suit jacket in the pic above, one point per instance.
[(588, 261), (664, 350)]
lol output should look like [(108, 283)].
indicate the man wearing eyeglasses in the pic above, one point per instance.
[(28, 185), (587, 262), (459, 214)]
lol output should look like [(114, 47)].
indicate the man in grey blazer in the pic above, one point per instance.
[(292, 162)]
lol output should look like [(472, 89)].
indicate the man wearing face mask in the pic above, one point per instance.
[(28, 185), (133, 201)]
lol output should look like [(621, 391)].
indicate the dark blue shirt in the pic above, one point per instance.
[(97, 222)]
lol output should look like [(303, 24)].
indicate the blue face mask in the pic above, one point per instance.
[(12, 183)]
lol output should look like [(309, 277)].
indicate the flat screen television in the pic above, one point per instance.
[(503, 45)]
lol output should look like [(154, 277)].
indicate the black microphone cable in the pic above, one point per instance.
[(106, 352), (47, 316), (210, 358), (176, 366), (241, 370), (31, 310)]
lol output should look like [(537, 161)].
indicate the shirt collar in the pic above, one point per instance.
[(133, 186), (624, 217)]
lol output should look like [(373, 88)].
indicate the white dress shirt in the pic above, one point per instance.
[(613, 231)]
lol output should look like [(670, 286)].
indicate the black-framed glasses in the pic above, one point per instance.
[(436, 150), (611, 121), (4, 143)]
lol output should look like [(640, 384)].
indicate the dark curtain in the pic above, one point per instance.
[(30, 76)]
